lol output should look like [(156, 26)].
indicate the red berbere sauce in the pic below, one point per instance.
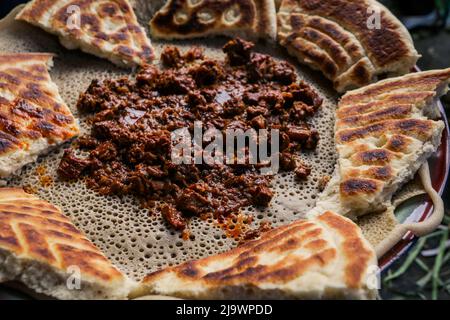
[(130, 144)]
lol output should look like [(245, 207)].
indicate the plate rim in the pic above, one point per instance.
[(439, 184)]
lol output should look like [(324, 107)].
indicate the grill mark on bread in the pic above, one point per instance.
[(398, 143), (422, 82), (356, 186), (333, 30), (395, 112), (306, 32), (420, 129), (48, 223), (311, 38), (384, 101), (38, 9), (334, 50), (376, 157), (382, 45), (314, 54), (36, 242), (8, 237), (86, 261), (380, 173), (354, 248), (7, 142), (263, 20), (383, 173)]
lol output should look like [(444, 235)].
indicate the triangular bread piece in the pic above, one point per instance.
[(185, 19), (108, 29), (383, 136), (42, 249), (33, 116), (342, 39), (323, 258)]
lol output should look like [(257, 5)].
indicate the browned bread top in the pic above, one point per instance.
[(198, 18), (107, 28), (409, 88), (33, 115), (34, 229), (337, 38), (385, 45), (326, 256), (383, 134)]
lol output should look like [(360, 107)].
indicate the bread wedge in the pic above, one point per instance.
[(384, 133), (33, 116), (42, 249), (323, 258), (353, 43), (108, 29)]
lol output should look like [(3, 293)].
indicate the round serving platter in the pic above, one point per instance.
[(414, 210)]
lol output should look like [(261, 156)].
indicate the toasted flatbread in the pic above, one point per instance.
[(323, 258), (384, 133), (33, 116), (107, 28), (184, 19), (42, 249), (341, 39)]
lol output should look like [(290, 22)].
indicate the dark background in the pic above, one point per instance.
[(429, 25)]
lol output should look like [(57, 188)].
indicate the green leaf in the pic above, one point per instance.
[(409, 260), (438, 265)]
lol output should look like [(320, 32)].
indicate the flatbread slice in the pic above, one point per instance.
[(33, 116), (108, 28), (342, 39), (42, 249), (185, 19), (384, 133), (323, 258)]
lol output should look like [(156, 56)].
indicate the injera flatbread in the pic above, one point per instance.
[(135, 241)]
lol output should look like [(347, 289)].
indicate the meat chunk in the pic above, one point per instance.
[(106, 151), (87, 143), (148, 76), (71, 167), (193, 54), (256, 233), (302, 171), (171, 57), (258, 122), (262, 67), (262, 196), (238, 51), (313, 140), (192, 202), (207, 73), (173, 217), (174, 83), (288, 162), (301, 111), (298, 134)]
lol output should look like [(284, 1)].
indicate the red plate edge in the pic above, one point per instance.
[(439, 171)]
